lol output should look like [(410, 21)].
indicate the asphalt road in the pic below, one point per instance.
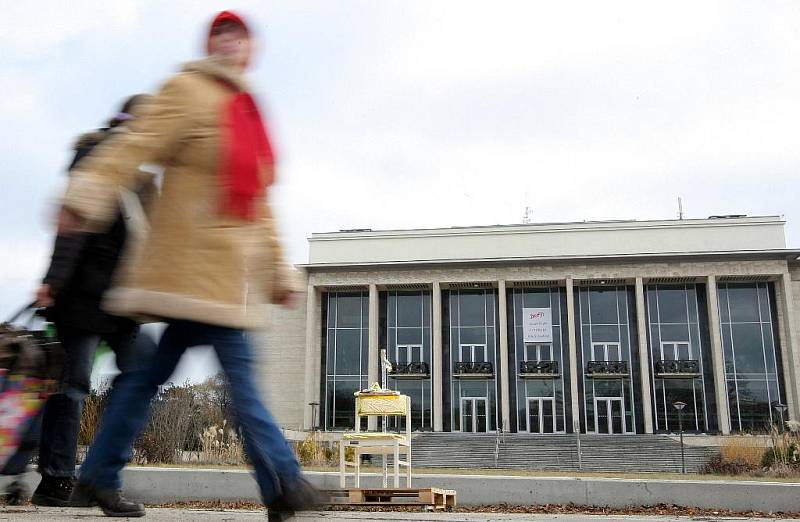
[(30, 513)]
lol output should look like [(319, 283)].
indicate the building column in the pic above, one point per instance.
[(313, 361), (717, 358), (644, 357), (436, 327), (789, 343), (374, 371), (505, 406), (573, 358)]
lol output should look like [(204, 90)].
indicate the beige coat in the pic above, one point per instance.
[(193, 263)]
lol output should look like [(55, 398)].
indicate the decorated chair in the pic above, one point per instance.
[(378, 403)]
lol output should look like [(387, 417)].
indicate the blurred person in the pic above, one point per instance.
[(80, 272), (209, 263)]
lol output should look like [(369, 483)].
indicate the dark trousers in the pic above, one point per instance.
[(57, 425)]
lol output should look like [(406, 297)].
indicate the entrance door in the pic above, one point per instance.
[(473, 415), (541, 415), (609, 415)]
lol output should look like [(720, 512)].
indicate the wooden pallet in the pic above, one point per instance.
[(431, 497)]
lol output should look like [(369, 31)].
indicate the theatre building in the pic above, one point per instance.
[(548, 328)]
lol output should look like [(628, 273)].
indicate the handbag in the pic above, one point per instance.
[(30, 365)]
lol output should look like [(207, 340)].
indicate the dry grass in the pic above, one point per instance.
[(220, 445), (93, 408), (747, 450)]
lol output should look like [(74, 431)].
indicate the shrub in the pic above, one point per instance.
[(719, 465), (312, 451), (167, 433), (93, 408), (745, 450), (785, 451)]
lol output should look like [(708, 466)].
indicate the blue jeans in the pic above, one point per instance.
[(55, 429), (129, 406)]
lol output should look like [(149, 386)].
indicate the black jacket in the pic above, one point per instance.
[(83, 265)]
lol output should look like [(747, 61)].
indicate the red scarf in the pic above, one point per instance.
[(246, 158)]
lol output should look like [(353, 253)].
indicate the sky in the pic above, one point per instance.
[(404, 114)]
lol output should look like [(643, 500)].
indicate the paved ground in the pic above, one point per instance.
[(168, 515)]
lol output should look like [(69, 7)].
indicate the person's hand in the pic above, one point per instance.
[(68, 221), (44, 296), (287, 299)]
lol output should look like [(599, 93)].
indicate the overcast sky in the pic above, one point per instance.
[(392, 114)]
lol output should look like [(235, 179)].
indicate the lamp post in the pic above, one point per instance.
[(314, 406), (678, 405), (781, 409)]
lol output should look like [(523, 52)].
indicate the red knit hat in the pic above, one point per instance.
[(225, 16)]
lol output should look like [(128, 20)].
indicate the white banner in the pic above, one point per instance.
[(537, 325)]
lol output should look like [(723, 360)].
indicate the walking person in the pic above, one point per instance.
[(80, 272), (209, 263)]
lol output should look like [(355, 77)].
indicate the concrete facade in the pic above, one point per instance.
[(577, 255)]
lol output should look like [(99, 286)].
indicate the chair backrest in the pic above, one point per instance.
[(382, 405)]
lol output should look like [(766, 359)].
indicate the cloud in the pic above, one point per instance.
[(29, 30)]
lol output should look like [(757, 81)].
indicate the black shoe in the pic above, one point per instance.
[(16, 493), (298, 495), (275, 515), (53, 491), (110, 501)]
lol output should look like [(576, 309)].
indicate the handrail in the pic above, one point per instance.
[(498, 439)]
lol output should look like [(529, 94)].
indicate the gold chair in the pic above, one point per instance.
[(378, 443)]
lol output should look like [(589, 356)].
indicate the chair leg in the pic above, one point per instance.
[(396, 465), (342, 467), (408, 468), (385, 460), (358, 468)]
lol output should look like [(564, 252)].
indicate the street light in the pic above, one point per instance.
[(314, 406), (781, 409), (680, 406)]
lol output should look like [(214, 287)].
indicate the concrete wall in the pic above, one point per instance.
[(282, 362), (547, 272), (162, 485), (542, 241)]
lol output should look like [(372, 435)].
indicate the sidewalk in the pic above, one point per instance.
[(170, 515)]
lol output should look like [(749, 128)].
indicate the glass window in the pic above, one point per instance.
[(743, 302), (409, 330), (472, 309), (348, 311), (748, 348), (346, 356), (606, 336), (672, 305), (472, 339), (605, 332), (603, 304), (472, 335), (750, 355), (409, 310), (348, 352), (672, 312)]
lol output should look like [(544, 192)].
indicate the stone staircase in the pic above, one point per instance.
[(631, 453)]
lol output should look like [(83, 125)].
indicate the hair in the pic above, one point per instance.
[(127, 107)]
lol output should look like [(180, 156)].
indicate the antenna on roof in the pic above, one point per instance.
[(526, 216), (680, 208)]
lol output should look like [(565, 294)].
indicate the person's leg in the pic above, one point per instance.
[(133, 349), (275, 465), (62, 412), (127, 411)]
